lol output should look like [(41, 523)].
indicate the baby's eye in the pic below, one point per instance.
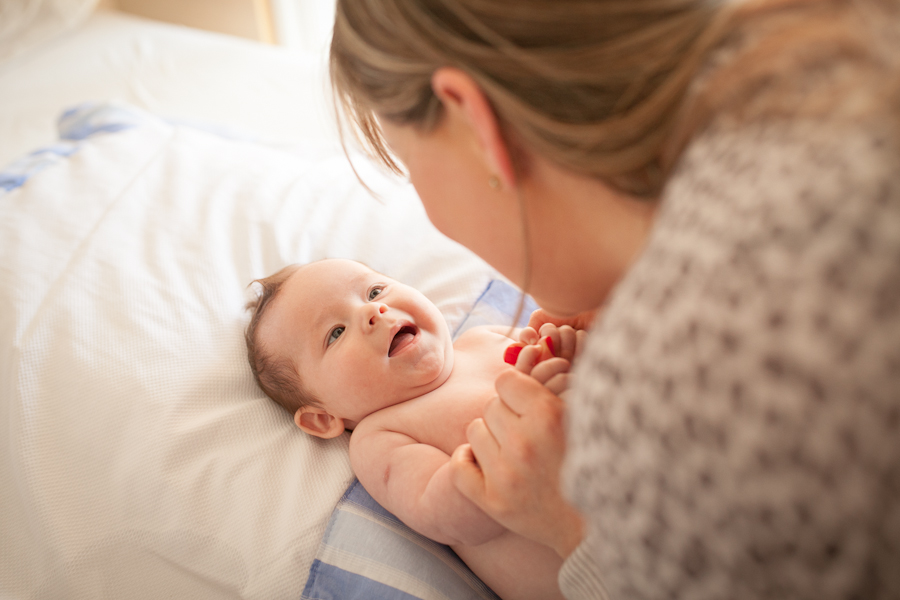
[(373, 293), (334, 334)]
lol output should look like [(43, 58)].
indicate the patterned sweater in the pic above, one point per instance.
[(735, 428)]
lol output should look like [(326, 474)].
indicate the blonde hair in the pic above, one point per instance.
[(278, 377), (604, 88)]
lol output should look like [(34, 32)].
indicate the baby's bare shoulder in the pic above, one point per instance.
[(407, 424), (397, 419)]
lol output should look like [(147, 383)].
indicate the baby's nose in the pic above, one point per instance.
[(382, 308)]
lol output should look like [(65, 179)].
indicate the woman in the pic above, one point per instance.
[(722, 179)]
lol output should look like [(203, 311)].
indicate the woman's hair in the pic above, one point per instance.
[(278, 376), (607, 88)]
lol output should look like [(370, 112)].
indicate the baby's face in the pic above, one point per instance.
[(361, 341)]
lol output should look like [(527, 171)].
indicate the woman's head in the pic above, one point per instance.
[(602, 95), (591, 85), (586, 88)]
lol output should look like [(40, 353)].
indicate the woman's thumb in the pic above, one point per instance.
[(466, 474)]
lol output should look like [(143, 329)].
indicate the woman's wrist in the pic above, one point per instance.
[(569, 533)]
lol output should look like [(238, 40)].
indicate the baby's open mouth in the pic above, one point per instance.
[(403, 338)]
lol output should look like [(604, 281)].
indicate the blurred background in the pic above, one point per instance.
[(303, 25)]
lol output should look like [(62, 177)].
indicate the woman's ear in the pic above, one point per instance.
[(462, 98), (316, 421)]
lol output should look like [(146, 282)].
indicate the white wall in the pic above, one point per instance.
[(303, 24)]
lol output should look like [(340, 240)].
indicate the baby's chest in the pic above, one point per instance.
[(444, 423), (445, 417)]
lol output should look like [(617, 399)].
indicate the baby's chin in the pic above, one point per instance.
[(434, 369)]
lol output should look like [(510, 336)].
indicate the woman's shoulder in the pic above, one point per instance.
[(835, 63), (770, 216), (748, 365)]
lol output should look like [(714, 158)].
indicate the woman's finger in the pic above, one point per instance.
[(522, 393), (484, 444), (528, 357), (467, 474), (567, 342), (499, 419), (547, 369), (580, 321), (559, 383)]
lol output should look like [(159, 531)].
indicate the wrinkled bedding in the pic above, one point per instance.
[(140, 459)]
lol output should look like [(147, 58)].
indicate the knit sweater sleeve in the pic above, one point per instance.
[(733, 431), (580, 577)]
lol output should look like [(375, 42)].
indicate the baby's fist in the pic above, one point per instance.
[(540, 351), (566, 341)]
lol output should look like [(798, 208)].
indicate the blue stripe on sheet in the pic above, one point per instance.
[(327, 582), (10, 181), (16, 174), (82, 121), (497, 305), (367, 552), (75, 125)]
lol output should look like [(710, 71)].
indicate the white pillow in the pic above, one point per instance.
[(26, 24), (140, 459)]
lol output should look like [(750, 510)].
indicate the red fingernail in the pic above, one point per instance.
[(512, 353), (550, 345)]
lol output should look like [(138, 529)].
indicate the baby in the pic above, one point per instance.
[(341, 346)]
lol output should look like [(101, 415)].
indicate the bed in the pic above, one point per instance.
[(148, 173)]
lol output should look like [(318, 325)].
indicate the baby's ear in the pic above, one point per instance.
[(316, 421)]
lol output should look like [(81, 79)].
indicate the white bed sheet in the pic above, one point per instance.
[(176, 72)]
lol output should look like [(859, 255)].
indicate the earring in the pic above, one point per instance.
[(494, 182)]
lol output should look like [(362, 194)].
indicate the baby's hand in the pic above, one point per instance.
[(540, 350), (551, 371), (564, 341), (547, 356)]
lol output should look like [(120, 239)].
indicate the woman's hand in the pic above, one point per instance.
[(581, 321), (510, 467)]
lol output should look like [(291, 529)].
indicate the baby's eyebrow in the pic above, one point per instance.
[(361, 279)]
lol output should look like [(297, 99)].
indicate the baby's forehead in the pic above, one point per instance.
[(333, 272), (316, 289)]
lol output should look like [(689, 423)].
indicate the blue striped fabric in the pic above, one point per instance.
[(17, 173), (87, 120), (497, 305), (334, 583), (368, 554)]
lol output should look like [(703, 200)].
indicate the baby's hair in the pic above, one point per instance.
[(278, 377)]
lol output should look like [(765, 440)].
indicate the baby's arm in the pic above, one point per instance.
[(412, 480)]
